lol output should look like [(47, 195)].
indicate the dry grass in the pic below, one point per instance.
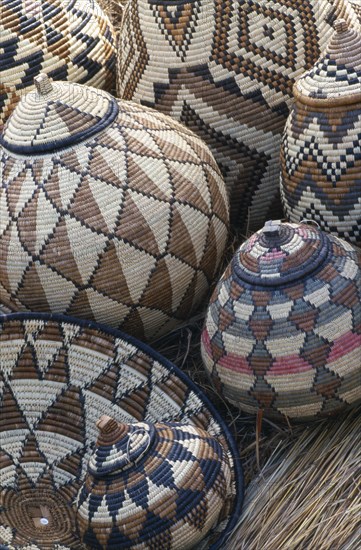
[(308, 492), (114, 9)]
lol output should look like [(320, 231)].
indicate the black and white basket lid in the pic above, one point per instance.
[(337, 74)]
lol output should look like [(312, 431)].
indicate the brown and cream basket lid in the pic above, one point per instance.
[(58, 376), (110, 211), (282, 331), (152, 485), (68, 40), (336, 77), (56, 116)]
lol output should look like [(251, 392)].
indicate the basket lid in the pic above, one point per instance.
[(281, 253), (337, 74), (57, 115), (120, 445), (151, 479)]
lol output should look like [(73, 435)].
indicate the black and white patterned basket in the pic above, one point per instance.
[(321, 148), (66, 39), (159, 485)]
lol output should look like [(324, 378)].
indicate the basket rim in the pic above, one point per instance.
[(236, 467)]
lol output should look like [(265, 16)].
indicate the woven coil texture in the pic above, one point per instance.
[(321, 151), (226, 69), (110, 211), (152, 486), (283, 329), (70, 40), (58, 377), (356, 5)]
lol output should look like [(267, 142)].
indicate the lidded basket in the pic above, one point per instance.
[(282, 332), (152, 485), (110, 211), (321, 149), (68, 40)]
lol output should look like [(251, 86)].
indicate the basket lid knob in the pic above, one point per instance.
[(280, 253), (110, 431), (119, 445), (272, 228), (340, 25), (43, 84), (106, 424)]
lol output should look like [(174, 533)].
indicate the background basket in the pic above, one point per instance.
[(58, 376), (356, 5), (320, 154), (72, 40), (226, 69)]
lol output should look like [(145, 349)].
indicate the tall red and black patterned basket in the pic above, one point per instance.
[(283, 329), (58, 376), (321, 148), (68, 40)]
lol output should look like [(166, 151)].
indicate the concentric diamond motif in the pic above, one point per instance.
[(226, 69)]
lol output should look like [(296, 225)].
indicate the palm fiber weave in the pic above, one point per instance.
[(68, 40), (356, 5), (157, 485), (58, 376), (109, 211), (226, 69), (321, 148), (283, 329)]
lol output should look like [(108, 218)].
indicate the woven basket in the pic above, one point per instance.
[(58, 377), (356, 6), (226, 69), (68, 40), (321, 154), (282, 332), (152, 486), (111, 211)]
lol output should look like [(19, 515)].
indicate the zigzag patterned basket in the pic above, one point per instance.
[(157, 485), (321, 148), (226, 68), (58, 376)]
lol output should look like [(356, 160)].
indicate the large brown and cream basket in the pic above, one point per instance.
[(58, 376), (110, 211)]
